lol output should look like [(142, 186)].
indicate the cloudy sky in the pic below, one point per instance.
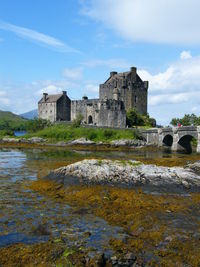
[(51, 45)]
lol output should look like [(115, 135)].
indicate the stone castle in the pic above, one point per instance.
[(119, 93)]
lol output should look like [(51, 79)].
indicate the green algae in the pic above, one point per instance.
[(147, 219)]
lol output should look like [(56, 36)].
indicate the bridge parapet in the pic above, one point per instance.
[(185, 128), (167, 129)]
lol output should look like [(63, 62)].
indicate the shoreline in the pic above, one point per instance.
[(82, 144)]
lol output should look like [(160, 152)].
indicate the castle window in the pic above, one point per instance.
[(136, 99), (90, 120)]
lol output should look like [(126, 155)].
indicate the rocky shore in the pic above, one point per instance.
[(77, 142), (128, 173)]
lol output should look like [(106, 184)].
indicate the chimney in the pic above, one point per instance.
[(45, 96), (133, 69), (64, 92), (112, 73)]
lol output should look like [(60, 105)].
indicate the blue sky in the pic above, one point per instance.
[(50, 46)]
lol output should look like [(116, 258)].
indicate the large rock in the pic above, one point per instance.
[(128, 173)]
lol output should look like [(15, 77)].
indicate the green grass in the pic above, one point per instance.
[(68, 133), (4, 133)]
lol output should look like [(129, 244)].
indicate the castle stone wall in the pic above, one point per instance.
[(109, 113), (47, 111)]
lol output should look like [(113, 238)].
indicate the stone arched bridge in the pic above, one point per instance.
[(178, 138)]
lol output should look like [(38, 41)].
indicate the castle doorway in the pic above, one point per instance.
[(90, 120)]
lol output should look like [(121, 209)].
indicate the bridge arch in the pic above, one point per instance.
[(185, 142), (167, 140)]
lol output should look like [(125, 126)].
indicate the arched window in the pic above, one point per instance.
[(90, 120)]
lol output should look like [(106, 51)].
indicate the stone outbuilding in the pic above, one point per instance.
[(55, 107)]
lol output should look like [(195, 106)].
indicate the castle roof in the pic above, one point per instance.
[(51, 98), (123, 75)]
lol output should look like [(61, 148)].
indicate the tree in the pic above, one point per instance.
[(133, 118), (187, 120)]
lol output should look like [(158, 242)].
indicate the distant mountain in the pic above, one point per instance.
[(11, 121), (9, 116), (30, 114)]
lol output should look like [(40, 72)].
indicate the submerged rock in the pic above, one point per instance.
[(128, 173)]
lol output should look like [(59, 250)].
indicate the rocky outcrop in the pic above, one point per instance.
[(128, 173)]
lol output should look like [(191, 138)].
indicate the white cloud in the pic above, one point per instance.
[(110, 63), (178, 85), (74, 74), (50, 89), (180, 76), (41, 38), (91, 88), (4, 100), (165, 21), (186, 55)]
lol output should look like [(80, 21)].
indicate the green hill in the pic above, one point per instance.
[(11, 121)]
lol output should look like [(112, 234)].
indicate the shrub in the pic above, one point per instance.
[(109, 133), (6, 133), (77, 122), (37, 125)]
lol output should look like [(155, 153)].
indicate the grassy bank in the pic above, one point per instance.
[(67, 133)]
